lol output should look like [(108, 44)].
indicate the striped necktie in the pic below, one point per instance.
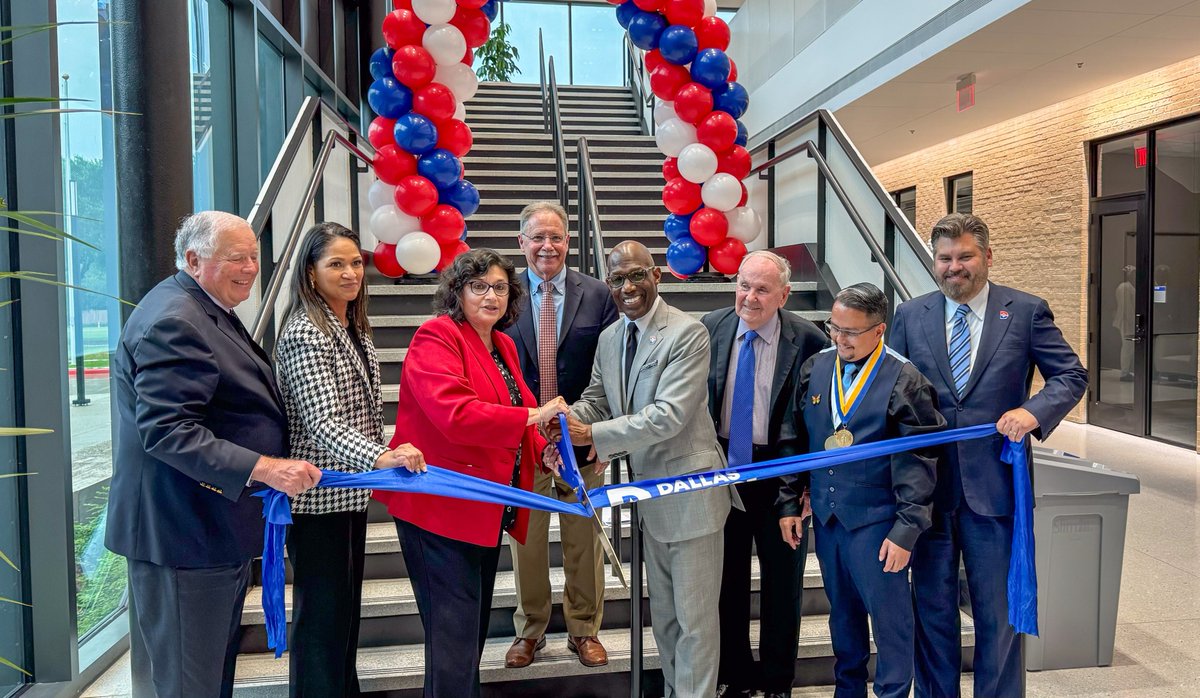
[(960, 349), (547, 346)]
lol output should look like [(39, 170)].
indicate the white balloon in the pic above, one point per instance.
[(710, 8), (673, 134), (663, 111), (381, 194), (697, 162), (744, 224), (445, 43), (459, 78), (460, 111), (722, 191), (418, 252), (389, 224), (434, 12)]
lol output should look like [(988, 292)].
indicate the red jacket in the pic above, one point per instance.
[(454, 406)]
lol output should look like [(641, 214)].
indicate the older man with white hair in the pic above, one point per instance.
[(199, 421)]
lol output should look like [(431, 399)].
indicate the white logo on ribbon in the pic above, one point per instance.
[(625, 495)]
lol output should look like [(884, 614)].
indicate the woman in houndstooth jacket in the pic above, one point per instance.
[(329, 377)]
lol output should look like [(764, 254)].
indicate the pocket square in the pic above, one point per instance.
[(651, 364)]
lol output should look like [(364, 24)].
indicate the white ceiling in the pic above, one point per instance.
[(1024, 61)]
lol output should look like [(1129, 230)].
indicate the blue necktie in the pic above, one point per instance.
[(848, 373), (960, 349), (741, 416)]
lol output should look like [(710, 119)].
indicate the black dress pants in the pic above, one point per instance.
[(453, 583), (327, 553), (781, 573)]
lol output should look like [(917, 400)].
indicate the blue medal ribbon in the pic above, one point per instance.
[(844, 406)]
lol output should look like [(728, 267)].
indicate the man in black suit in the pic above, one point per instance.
[(556, 333), (199, 419), (754, 420)]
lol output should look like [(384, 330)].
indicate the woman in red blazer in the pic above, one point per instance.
[(464, 404)]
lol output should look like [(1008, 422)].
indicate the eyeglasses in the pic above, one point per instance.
[(633, 277), (480, 287), (833, 329), (542, 239)]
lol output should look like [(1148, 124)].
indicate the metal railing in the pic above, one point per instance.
[(542, 83), (591, 235), (560, 150), (638, 81)]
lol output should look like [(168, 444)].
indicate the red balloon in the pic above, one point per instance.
[(455, 136), (385, 261), (450, 251), (736, 161), (469, 56), (681, 196), (445, 223), (473, 24), (677, 275), (648, 5), (709, 226), (745, 195), (666, 80), (416, 195), (693, 102), (402, 27), (413, 66), (726, 257), (435, 101), (732, 71), (393, 164), (654, 59), (381, 132), (718, 131), (670, 169), (712, 32), (472, 4), (402, 5), (685, 12)]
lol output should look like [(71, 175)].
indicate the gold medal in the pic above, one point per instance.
[(840, 439)]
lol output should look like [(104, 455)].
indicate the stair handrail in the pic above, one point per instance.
[(542, 83), (311, 111), (556, 135), (591, 235), (635, 73)]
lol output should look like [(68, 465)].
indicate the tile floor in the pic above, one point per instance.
[(1158, 625)]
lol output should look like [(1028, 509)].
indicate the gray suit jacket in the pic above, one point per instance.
[(663, 425)]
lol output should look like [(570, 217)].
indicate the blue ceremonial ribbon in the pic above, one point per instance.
[(569, 471), (1022, 573)]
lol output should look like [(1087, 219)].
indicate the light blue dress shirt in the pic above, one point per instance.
[(978, 306), (559, 281)]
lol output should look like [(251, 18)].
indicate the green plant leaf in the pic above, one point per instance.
[(41, 278), (41, 229), (20, 31), (106, 112), (8, 475), (18, 603), (22, 431), (7, 663), (10, 562)]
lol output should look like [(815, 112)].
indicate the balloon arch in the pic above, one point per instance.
[(423, 76)]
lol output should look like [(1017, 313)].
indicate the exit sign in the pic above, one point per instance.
[(966, 92)]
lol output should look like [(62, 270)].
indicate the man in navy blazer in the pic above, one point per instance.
[(579, 308), (199, 419), (978, 343)]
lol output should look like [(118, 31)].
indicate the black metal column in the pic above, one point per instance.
[(152, 83)]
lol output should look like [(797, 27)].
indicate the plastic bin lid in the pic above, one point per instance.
[(1068, 475)]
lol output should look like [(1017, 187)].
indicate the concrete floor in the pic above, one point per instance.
[(1158, 625)]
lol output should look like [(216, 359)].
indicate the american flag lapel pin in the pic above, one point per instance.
[(1004, 314)]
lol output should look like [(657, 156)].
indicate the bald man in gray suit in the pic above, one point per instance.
[(648, 401)]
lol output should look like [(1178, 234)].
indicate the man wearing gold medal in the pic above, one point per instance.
[(867, 514)]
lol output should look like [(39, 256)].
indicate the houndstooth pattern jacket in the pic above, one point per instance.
[(334, 408)]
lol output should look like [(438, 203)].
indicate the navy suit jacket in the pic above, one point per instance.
[(1018, 334), (196, 406), (588, 308)]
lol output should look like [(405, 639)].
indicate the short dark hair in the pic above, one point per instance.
[(305, 298), (447, 299), (955, 225), (864, 297)]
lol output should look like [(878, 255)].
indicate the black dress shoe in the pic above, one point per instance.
[(724, 691), (777, 695)]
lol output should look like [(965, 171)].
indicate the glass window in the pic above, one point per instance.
[(526, 18), (202, 107), (1121, 166), (958, 194), (906, 201), (272, 120), (597, 46), (12, 616), (89, 208)]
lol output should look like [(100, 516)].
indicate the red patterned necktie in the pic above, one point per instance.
[(548, 345)]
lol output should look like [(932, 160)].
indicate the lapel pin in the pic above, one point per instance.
[(1004, 314), (816, 399), (653, 339)]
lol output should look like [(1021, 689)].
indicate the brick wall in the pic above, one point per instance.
[(1031, 183)]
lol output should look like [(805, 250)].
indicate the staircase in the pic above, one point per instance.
[(512, 164)]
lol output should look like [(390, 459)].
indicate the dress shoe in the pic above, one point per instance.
[(776, 695), (589, 649), (724, 691), (521, 653)]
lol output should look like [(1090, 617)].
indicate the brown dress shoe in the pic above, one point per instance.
[(520, 655), (589, 649)]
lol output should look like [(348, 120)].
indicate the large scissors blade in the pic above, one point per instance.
[(570, 474), (609, 552)]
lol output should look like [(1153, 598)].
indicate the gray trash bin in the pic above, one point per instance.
[(1079, 518)]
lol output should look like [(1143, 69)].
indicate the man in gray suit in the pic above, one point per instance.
[(648, 401)]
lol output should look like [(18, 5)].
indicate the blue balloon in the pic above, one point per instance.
[(626, 12), (733, 100), (645, 28), (490, 9), (381, 63), (676, 226), (710, 68), (440, 167), (743, 135), (415, 133), (462, 195), (463, 237), (388, 98), (678, 45), (685, 256)]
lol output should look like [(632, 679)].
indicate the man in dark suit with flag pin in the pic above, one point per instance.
[(867, 514), (978, 343)]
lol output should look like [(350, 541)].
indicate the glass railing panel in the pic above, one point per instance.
[(846, 254), (795, 192), (910, 266)]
